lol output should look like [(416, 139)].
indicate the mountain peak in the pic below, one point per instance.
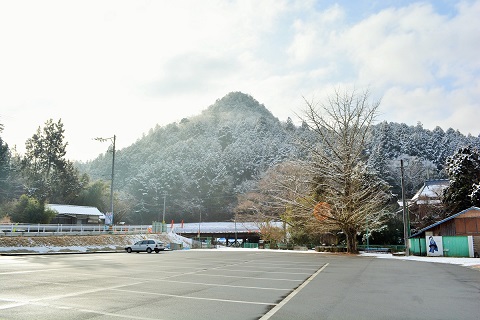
[(238, 102)]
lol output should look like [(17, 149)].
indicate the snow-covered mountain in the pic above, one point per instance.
[(203, 162)]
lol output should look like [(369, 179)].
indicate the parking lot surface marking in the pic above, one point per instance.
[(269, 314)]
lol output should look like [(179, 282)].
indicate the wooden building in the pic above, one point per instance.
[(459, 234), (69, 214)]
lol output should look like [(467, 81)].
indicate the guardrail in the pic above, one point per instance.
[(69, 229), (381, 248)]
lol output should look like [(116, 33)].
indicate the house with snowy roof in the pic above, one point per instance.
[(70, 214), (427, 202), (431, 192)]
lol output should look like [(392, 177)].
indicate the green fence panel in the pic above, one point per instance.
[(455, 246), (418, 246), (250, 245), (158, 227), (202, 243)]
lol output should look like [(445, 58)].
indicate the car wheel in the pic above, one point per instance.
[(149, 250), (157, 251), (129, 250)]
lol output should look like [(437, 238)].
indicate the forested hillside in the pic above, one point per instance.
[(425, 152), (201, 164)]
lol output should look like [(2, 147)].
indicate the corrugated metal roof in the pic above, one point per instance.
[(444, 220), (221, 227), (77, 210)]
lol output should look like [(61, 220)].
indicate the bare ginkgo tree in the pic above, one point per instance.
[(348, 195)]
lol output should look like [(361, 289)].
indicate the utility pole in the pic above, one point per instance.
[(199, 223), (112, 139), (236, 238), (163, 218), (366, 222), (156, 204), (406, 220)]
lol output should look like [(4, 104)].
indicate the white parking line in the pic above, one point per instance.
[(164, 280), (266, 271), (194, 298), (240, 277), (12, 304), (102, 313), (30, 271), (269, 314), (224, 285)]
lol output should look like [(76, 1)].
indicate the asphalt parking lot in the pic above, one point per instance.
[(168, 285), (213, 284)]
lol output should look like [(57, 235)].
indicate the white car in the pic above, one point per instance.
[(148, 246)]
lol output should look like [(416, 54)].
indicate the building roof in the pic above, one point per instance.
[(221, 227), (444, 220), (431, 190), (67, 209)]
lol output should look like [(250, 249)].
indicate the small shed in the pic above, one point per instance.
[(70, 214), (455, 236)]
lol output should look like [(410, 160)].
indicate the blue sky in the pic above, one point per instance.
[(121, 67)]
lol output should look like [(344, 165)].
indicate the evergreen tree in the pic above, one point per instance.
[(438, 154), (49, 176), (418, 141), (30, 210), (381, 151), (96, 194), (11, 184), (4, 171), (463, 169), (67, 184)]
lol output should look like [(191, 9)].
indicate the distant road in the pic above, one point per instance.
[(213, 284)]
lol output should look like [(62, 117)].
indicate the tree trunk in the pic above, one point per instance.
[(351, 240)]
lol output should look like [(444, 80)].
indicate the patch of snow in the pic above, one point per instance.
[(467, 262)]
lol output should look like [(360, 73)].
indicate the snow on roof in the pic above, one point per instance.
[(432, 189), (77, 210), (220, 227)]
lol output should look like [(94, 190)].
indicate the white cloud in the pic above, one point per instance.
[(421, 62), (121, 67), (313, 34), (433, 107), (415, 46)]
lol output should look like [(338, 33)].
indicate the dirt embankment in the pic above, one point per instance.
[(88, 243)]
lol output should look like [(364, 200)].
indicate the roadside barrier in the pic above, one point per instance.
[(14, 229)]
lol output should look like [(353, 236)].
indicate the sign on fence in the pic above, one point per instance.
[(434, 246)]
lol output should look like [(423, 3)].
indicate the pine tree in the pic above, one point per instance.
[(4, 170), (463, 169), (50, 177)]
